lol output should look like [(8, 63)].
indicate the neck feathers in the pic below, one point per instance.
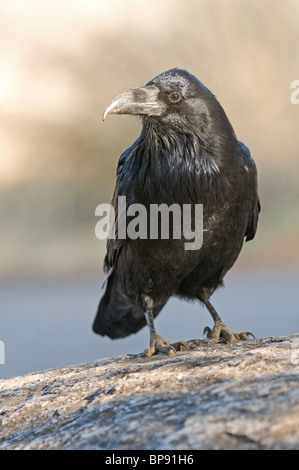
[(171, 168)]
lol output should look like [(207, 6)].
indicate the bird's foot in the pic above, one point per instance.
[(221, 331), (159, 345)]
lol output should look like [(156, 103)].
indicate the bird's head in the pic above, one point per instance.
[(175, 99)]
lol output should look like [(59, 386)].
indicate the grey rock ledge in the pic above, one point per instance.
[(214, 396)]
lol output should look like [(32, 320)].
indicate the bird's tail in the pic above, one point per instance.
[(117, 316)]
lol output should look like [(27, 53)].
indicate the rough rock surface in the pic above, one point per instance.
[(245, 396)]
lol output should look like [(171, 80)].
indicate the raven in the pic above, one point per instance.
[(187, 153)]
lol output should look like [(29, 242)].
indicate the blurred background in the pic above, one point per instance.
[(61, 64)]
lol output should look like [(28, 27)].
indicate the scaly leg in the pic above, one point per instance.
[(157, 343), (220, 330)]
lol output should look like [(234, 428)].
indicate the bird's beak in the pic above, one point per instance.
[(140, 100)]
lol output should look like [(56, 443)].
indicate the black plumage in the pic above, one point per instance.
[(187, 153)]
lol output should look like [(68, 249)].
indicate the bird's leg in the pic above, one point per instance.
[(220, 330), (157, 343)]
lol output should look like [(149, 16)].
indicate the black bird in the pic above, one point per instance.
[(187, 153)]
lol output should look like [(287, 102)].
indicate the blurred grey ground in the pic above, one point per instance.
[(61, 63)]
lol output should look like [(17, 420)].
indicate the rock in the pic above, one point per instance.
[(244, 396)]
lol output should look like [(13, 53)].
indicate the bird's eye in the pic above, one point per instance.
[(174, 97)]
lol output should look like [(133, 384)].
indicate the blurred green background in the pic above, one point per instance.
[(61, 63)]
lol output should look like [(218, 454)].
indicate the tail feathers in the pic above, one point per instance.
[(117, 316)]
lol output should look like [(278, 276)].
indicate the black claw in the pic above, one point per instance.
[(181, 345), (244, 335), (207, 331), (251, 334)]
